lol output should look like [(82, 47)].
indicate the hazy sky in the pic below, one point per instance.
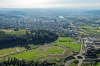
[(50, 3)]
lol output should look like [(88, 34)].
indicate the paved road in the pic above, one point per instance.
[(80, 54), (80, 62)]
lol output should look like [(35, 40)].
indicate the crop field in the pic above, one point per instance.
[(94, 31), (7, 51), (11, 31), (88, 30), (68, 42), (88, 27)]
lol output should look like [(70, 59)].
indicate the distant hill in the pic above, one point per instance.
[(93, 12), (12, 14), (16, 13)]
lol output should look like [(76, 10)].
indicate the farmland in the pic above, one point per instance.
[(90, 30)]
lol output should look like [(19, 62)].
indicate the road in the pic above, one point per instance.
[(80, 54), (76, 57)]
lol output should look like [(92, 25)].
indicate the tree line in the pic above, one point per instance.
[(22, 62)]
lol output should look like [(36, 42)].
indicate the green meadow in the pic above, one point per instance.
[(55, 50), (31, 55), (68, 42)]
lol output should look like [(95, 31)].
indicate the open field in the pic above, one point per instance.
[(7, 51), (66, 39), (68, 42), (55, 50), (31, 55), (46, 51)]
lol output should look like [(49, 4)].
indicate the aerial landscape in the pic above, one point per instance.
[(49, 33)]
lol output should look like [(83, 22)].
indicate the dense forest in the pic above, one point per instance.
[(35, 37)]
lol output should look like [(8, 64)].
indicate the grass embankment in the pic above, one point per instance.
[(7, 51)]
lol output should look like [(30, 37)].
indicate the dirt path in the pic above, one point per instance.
[(17, 50), (69, 62)]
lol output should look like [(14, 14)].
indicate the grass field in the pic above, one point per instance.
[(11, 31), (8, 51), (68, 42), (55, 50), (46, 51), (31, 55), (66, 39), (34, 54)]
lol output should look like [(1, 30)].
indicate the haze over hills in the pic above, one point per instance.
[(18, 15)]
